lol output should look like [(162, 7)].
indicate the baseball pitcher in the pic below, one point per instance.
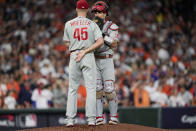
[(105, 65), (83, 36)]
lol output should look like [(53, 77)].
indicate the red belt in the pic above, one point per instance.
[(103, 56)]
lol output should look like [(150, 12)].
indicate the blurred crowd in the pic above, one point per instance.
[(155, 60)]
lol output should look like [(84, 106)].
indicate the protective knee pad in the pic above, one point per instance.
[(99, 85), (110, 95), (108, 86), (99, 94)]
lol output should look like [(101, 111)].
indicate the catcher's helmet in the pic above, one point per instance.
[(100, 6)]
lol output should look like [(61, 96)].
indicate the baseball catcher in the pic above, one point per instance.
[(105, 65)]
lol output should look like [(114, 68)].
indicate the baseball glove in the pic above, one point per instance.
[(99, 22)]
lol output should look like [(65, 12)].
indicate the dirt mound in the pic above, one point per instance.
[(106, 127)]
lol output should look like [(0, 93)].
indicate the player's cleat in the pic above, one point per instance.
[(91, 121), (99, 120), (70, 122), (113, 121), (69, 125)]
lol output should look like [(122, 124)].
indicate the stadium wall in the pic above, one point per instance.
[(167, 118)]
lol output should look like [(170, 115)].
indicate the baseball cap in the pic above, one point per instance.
[(82, 4)]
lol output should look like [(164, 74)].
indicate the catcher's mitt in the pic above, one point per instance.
[(99, 22)]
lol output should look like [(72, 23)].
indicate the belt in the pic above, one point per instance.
[(103, 56)]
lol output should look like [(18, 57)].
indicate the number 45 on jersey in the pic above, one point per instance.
[(81, 33)]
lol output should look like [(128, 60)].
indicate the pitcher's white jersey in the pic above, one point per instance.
[(81, 32)]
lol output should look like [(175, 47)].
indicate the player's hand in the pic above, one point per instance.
[(80, 55)]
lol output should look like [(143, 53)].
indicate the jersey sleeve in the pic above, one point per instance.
[(97, 32), (66, 36), (113, 32)]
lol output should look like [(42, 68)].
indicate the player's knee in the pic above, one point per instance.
[(110, 95), (99, 85), (109, 90), (108, 86), (99, 94)]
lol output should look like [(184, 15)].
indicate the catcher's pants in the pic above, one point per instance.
[(105, 69), (105, 82)]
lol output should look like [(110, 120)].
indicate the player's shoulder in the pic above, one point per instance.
[(71, 20), (67, 22), (91, 21), (113, 26)]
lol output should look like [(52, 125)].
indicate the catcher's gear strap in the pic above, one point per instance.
[(113, 27), (99, 94), (106, 26), (109, 25), (110, 96)]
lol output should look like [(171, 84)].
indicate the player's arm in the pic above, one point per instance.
[(94, 46), (66, 36), (112, 43), (112, 39), (98, 42)]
